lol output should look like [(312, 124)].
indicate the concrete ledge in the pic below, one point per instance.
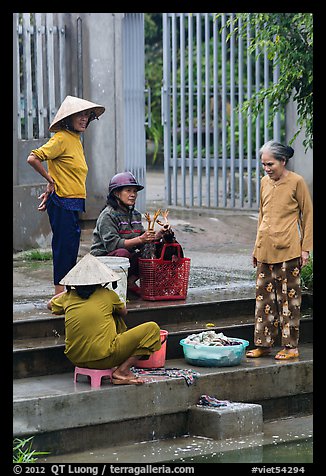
[(54, 402), (37, 351), (158, 428), (154, 449), (236, 419)]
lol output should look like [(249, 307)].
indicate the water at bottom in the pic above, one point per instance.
[(291, 452)]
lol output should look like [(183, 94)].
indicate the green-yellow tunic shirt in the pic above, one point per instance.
[(90, 325), (285, 222)]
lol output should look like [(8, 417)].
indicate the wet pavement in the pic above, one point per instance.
[(218, 242)]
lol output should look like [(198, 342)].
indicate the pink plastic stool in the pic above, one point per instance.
[(94, 374)]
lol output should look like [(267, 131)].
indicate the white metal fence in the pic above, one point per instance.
[(211, 147), (41, 79)]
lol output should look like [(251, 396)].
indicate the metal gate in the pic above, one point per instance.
[(134, 101), (210, 146), (40, 79)]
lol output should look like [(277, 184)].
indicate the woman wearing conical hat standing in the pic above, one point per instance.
[(66, 176)]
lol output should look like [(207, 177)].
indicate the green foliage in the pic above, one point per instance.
[(154, 74), (23, 453), (38, 255), (307, 275), (287, 39)]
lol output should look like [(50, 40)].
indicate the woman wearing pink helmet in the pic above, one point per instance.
[(119, 230)]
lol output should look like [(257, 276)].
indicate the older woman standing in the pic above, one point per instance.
[(282, 247), (65, 192)]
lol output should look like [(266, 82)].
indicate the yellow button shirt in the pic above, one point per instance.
[(66, 163), (285, 223)]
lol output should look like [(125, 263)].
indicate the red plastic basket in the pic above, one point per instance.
[(164, 279)]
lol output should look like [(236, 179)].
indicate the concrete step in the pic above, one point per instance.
[(31, 318), (45, 355), (66, 417), (39, 340), (190, 449)]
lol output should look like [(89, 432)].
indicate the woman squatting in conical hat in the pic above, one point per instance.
[(65, 192), (96, 335)]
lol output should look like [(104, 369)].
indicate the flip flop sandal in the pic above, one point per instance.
[(286, 354), (254, 353)]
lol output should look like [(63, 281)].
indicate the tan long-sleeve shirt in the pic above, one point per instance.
[(285, 224)]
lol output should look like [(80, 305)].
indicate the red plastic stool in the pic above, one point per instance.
[(94, 374)]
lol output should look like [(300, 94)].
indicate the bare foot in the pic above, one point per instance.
[(123, 375), (123, 372), (128, 381)]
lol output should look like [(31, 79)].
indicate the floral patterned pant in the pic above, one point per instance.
[(278, 302)]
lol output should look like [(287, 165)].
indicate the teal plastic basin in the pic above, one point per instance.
[(214, 356)]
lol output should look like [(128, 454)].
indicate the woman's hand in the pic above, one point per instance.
[(304, 258), (36, 163), (44, 196), (254, 261), (42, 205), (148, 237), (165, 229)]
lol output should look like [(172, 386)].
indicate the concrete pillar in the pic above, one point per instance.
[(103, 84)]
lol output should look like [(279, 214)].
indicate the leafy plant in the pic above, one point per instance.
[(156, 134), (38, 255), (23, 453), (154, 73), (287, 39), (307, 275)]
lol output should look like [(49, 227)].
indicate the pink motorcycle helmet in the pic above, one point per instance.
[(123, 179)]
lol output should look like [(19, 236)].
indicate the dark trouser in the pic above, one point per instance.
[(278, 302), (133, 270), (65, 240)]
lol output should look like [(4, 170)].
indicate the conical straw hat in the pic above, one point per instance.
[(71, 105), (89, 270)]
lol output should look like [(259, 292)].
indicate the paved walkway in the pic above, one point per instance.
[(219, 243)]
